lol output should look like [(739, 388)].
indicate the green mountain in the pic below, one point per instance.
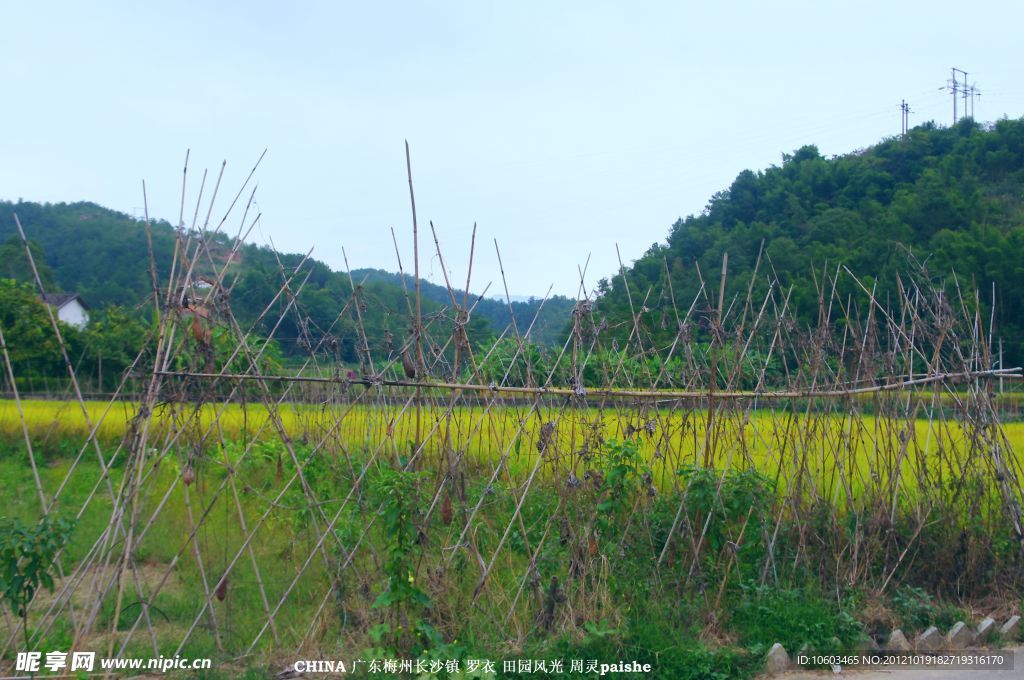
[(104, 256), (950, 198)]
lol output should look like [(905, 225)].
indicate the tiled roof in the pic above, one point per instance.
[(58, 300)]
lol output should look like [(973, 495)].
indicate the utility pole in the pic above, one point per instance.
[(974, 92), (954, 87), (904, 117)]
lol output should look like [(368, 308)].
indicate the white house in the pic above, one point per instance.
[(70, 308)]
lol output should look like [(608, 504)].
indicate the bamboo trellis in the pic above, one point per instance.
[(880, 411)]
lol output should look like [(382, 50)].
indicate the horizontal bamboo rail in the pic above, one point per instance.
[(614, 393)]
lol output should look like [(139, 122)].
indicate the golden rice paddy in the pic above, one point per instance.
[(837, 455)]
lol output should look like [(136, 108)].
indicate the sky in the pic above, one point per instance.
[(571, 133)]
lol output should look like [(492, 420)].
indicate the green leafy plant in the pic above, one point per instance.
[(624, 474), (26, 557), (673, 651), (917, 610), (734, 508), (402, 601)]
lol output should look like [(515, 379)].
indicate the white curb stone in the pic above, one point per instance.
[(898, 642), (959, 636), (931, 638), (985, 629), (1011, 629)]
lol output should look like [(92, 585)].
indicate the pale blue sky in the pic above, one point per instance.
[(560, 128)]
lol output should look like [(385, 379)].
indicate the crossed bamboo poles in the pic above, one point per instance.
[(927, 339)]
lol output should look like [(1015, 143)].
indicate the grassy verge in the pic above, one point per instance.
[(577, 573)]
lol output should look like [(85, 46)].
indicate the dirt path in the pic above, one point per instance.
[(1017, 673)]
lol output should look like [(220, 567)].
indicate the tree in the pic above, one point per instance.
[(506, 363), (949, 196), (31, 342), (112, 342)]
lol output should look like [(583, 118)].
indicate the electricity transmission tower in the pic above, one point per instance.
[(904, 117), (962, 91)]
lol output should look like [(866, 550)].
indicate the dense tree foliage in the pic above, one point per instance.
[(950, 198), (98, 253), (14, 264), (101, 351), (29, 338)]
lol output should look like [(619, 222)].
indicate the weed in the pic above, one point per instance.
[(764, 615), (917, 610)]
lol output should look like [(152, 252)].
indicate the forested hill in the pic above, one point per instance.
[(103, 255), (953, 197)]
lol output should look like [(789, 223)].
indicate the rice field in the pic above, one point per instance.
[(844, 455)]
